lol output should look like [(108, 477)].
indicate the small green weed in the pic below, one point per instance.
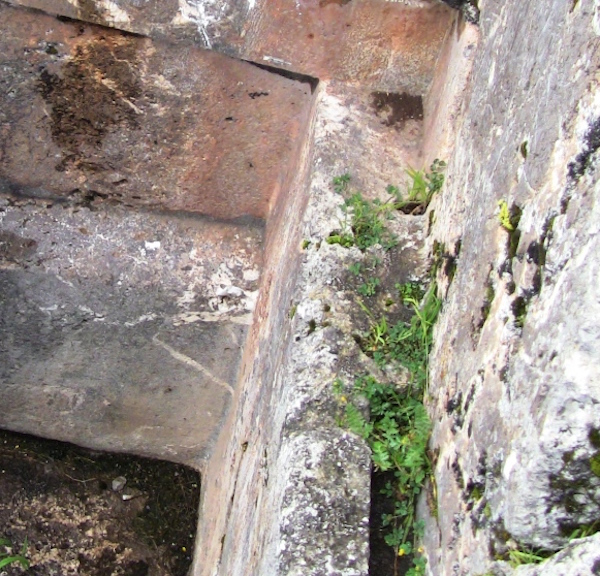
[(424, 185), (369, 287), (292, 312), (509, 219), (477, 493), (8, 558), (340, 183), (342, 238), (407, 343), (585, 530), (504, 216), (595, 464), (518, 558), (368, 222), (410, 291)]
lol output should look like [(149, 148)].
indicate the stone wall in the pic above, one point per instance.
[(515, 369), (514, 384)]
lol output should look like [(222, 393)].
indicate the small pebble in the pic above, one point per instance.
[(119, 483)]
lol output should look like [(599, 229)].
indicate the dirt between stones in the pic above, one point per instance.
[(60, 500)]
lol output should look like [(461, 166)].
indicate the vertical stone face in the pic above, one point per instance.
[(516, 363), (105, 116)]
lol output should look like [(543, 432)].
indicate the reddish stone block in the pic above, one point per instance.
[(96, 115)]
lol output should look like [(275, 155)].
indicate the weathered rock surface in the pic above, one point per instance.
[(298, 484), (516, 365), (93, 114), (122, 330)]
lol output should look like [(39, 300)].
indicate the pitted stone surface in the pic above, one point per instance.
[(95, 115), (122, 330), (516, 365)]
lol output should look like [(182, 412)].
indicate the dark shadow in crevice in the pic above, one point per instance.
[(296, 76)]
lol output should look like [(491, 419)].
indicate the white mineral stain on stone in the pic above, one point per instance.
[(152, 245), (197, 12), (113, 13)]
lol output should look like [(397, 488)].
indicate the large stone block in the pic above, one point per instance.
[(91, 114), (516, 365), (122, 330), (391, 46)]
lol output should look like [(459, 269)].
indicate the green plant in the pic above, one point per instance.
[(423, 186), (504, 216), (410, 291), (585, 530), (595, 464), (369, 287), (508, 217), (7, 558), (407, 343), (340, 183), (518, 558), (477, 493), (368, 222), (342, 238), (398, 427), (364, 225)]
